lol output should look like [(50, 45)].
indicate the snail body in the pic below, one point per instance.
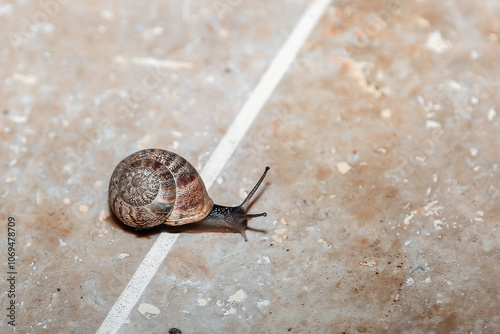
[(154, 186)]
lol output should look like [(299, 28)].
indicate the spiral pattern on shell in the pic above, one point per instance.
[(139, 186), (154, 186)]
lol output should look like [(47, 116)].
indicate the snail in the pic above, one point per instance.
[(154, 186)]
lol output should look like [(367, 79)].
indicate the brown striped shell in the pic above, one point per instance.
[(154, 186)]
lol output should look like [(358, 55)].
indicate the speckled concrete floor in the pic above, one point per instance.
[(382, 139)]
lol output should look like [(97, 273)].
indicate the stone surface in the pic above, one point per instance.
[(382, 141)]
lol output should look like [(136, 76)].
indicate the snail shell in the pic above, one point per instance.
[(154, 186)]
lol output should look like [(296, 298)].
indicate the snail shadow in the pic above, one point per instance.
[(192, 228), (196, 228)]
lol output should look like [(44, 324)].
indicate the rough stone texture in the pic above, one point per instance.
[(382, 140)]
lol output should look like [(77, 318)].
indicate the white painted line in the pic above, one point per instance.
[(134, 289), (263, 90), (220, 156)]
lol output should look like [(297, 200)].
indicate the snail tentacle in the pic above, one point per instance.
[(234, 219)]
